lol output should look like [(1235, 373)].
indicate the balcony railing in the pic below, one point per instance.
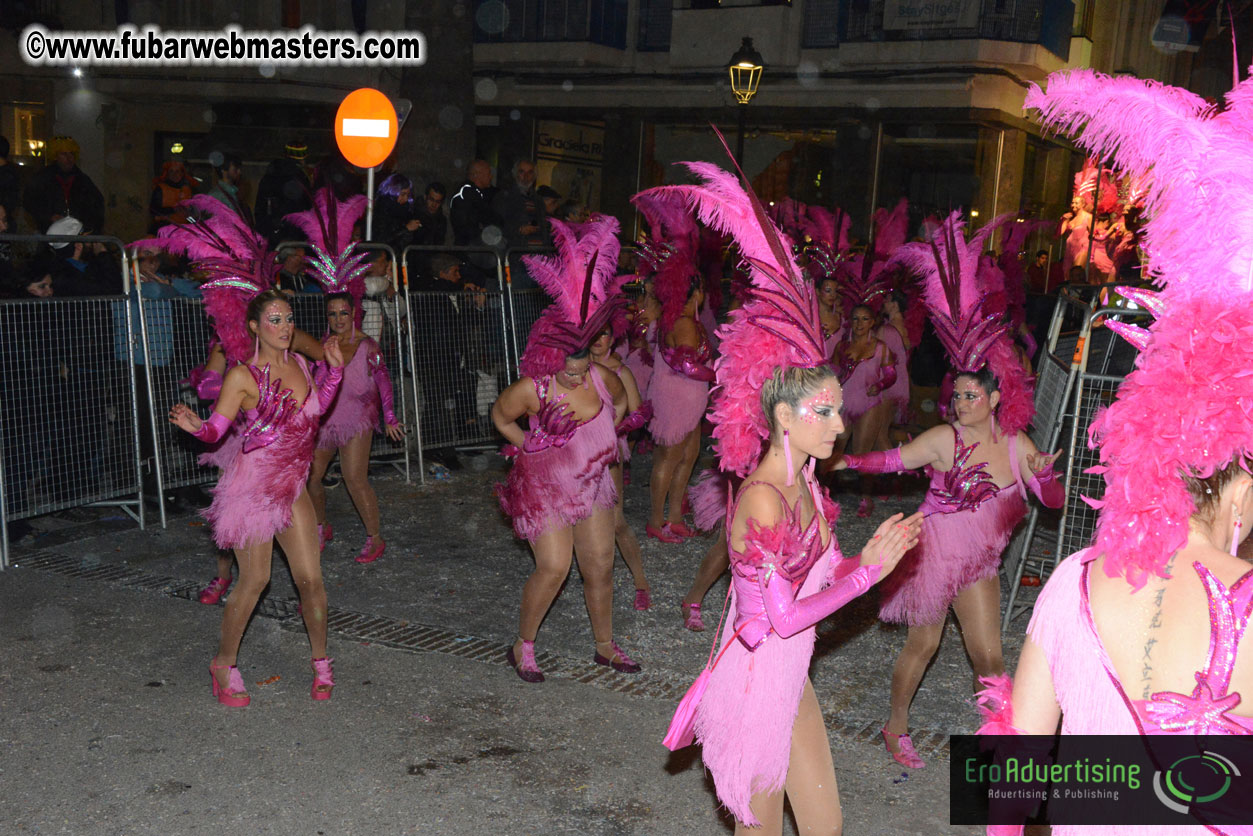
[(1044, 22), (529, 21)]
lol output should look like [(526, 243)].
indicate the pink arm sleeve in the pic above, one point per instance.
[(214, 428), (1048, 488), (788, 616), (887, 461), (327, 380), (384, 383), (887, 376), (208, 384)]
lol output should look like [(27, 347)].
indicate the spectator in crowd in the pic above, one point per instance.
[(292, 275), (395, 218), (474, 221), (522, 217), (380, 304), (35, 280), (573, 212), (83, 269), (434, 229), (62, 189), (283, 190), (343, 179), (230, 176), (551, 198), (6, 252), (9, 184), (171, 188)]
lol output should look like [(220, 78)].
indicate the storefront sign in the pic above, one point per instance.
[(931, 14), (569, 157)]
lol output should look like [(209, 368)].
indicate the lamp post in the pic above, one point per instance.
[(745, 69)]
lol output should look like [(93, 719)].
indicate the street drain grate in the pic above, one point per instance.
[(421, 638)]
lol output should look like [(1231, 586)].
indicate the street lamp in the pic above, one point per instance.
[(745, 69)]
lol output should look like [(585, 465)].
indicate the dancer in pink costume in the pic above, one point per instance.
[(348, 426), (1141, 633), (758, 722), (682, 370), (980, 468), (560, 492), (261, 496), (637, 415), (642, 319)]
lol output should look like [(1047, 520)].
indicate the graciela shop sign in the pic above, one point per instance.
[(569, 157), (930, 14), (1101, 780)]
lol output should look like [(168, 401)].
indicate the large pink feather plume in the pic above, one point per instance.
[(586, 292), (336, 263), (891, 229), (1188, 406), (671, 256), (778, 326), (223, 246)]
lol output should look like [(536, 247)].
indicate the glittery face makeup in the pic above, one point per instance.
[(862, 319), (828, 292), (817, 422), (970, 402), (276, 325), (339, 316), (820, 407), (575, 373)]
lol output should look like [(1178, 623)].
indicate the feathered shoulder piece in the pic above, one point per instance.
[(336, 264), (222, 245), (779, 325), (581, 279), (1187, 409), (957, 285), (670, 256)]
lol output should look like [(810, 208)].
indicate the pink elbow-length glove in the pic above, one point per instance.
[(636, 419), (207, 383), (688, 362), (886, 461), (327, 379), (788, 616), (1048, 488), (887, 376), (384, 383), (214, 428)]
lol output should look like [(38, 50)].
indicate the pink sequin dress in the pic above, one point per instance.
[(253, 500), (745, 717), (365, 388), (898, 392), (856, 376), (679, 390), (968, 522), (561, 486), (1092, 697)]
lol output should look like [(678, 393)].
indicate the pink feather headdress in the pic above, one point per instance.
[(336, 264), (581, 279), (670, 256), (779, 325), (1188, 406), (222, 244), (1085, 187), (957, 284), (827, 231)]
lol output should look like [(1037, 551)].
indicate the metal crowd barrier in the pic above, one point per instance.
[(68, 422), (1080, 373)]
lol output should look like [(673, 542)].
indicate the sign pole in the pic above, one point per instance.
[(369, 205)]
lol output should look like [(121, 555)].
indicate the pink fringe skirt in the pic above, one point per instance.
[(953, 552), (356, 406), (678, 404), (223, 452), (744, 720), (253, 500)]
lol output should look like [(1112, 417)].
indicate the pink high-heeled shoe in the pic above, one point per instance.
[(213, 593), (643, 599), (866, 507), (526, 668), (372, 550), (665, 534), (234, 694), (906, 755), (682, 529), (323, 679), (618, 660), (325, 535), (692, 619)]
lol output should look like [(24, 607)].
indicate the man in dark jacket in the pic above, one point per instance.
[(475, 223), (284, 190), (62, 189)]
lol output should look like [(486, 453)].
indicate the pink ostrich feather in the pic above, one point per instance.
[(222, 245), (827, 230), (1191, 393), (778, 326), (891, 229), (337, 264), (581, 279), (672, 256)]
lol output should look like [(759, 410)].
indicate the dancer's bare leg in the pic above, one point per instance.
[(354, 464), (665, 460), (225, 558), (811, 787), (593, 548), (553, 551), (300, 543), (625, 537), (712, 565), (689, 450), (978, 611), (254, 576), (921, 643), (317, 493)]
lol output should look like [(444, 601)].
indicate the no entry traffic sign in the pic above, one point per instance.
[(365, 127)]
